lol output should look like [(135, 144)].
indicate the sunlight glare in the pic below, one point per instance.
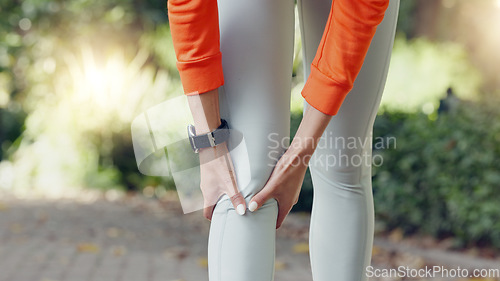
[(111, 90)]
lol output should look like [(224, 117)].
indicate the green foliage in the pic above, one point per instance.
[(156, 40), (11, 127), (442, 178), (73, 75), (421, 71), (407, 18), (441, 175)]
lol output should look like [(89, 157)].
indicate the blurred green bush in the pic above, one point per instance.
[(441, 177), (73, 75), (422, 70)]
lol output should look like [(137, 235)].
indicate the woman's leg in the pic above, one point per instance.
[(341, 232), (257, 53)]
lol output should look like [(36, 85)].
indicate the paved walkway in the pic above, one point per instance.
[(130, 239), (90, 238)]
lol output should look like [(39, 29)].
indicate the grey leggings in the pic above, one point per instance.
[(257, 53)]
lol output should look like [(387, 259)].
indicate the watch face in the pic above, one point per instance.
[(191, 134), (191, 130)]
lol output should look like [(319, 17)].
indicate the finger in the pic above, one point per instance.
[(259, 199), (282, 213), (210, 198), (208, 212), (239, 203), (235, 195)]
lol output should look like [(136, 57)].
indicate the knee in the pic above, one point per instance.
[(341, 160), (269, 208), (255, 184), (342, 171), (253, 177)]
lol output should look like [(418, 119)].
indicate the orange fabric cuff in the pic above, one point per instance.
[(324, 93), (202, 75)]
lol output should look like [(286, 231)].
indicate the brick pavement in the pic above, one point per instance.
[(131, 239)]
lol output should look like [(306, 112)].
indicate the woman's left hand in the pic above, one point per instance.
[(285, 182), (286, 179)]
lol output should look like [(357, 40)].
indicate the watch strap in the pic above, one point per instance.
[(211, 139)]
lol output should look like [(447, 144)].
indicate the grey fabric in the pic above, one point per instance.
[(257, 55)]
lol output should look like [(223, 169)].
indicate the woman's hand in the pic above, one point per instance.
[(218, 178), (216, 166), (285, 182), (286, 179)]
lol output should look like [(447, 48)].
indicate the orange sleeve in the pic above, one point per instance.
[(345, 42), (194, 25)]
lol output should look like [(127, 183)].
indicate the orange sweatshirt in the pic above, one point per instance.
[(348, 33)]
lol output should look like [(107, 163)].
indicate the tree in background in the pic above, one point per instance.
[(73, 74)]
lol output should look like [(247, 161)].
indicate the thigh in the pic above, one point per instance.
[(341, 233), (257, 54), (313, 15), (349, 132)]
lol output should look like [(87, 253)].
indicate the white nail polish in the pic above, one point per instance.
[(240, 209), (252, 206)]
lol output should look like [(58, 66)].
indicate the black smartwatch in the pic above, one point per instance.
[(211, 139)]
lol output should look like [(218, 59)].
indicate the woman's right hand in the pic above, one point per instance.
[(216, 166), (218, 178)]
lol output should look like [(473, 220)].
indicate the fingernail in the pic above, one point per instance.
[(240, 209), (253, 206)]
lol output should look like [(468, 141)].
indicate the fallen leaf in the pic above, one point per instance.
[(472, 252), (119, 251), (3, 206), (88, 248), (279, 265), (301, 248), (396, 235), (176, 252), (409, 260), (203, 262)]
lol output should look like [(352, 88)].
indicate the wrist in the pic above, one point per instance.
[(205, 110), (303, 147), (309, 133), (206, 126), (213, 151)]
